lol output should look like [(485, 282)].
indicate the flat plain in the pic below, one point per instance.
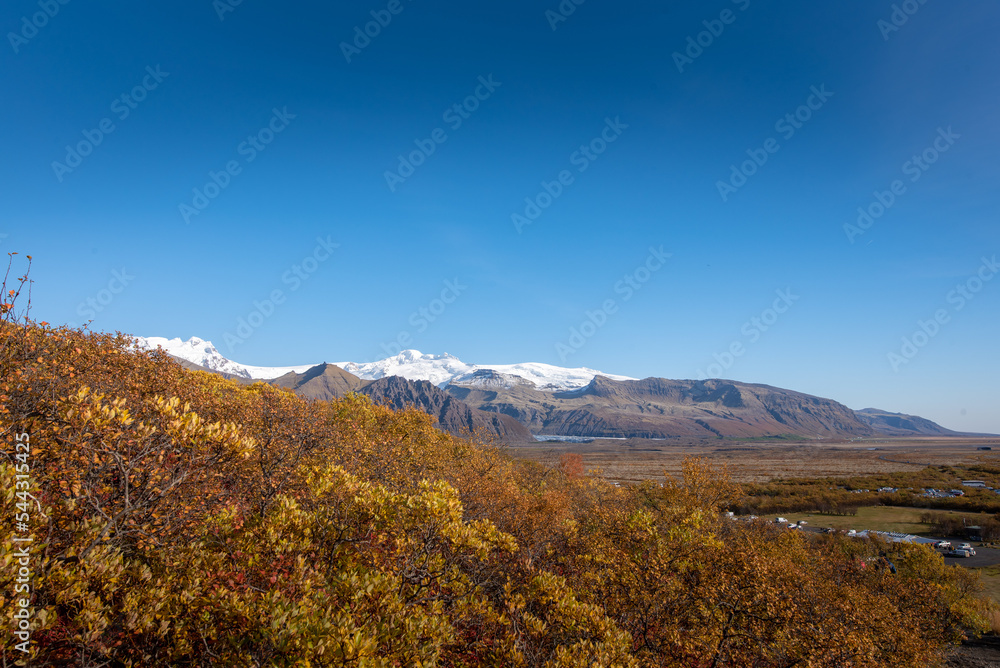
[(634, 460)]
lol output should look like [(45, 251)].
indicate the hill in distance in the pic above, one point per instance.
[(899, 424)]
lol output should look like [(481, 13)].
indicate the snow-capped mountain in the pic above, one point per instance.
[(412, 365), (203, 353), (445, 369), (440, 370)]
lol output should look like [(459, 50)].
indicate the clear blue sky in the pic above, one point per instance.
[(207, 84)]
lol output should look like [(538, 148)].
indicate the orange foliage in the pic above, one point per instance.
[(184, 519), (571, 464)]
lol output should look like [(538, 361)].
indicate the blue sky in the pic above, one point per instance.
[(619, 123)]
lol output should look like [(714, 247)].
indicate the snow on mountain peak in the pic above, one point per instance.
[(203, 353), (444, 369), (410, 364)]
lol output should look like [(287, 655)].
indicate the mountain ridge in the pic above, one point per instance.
[(328, 381), (578, 402), (439, 369), (661, 408)]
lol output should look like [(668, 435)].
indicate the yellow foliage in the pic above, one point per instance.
[(184, 519)]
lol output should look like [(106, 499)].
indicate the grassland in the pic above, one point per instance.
[(634, 460), (883, 518), (991, 581)]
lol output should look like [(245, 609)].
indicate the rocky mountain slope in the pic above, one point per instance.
[(322, 382), (326, 381), (452, 414), (661, 408)]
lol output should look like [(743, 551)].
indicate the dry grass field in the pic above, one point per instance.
[(634, 460)]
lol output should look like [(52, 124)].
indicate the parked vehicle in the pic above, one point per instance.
[(942, 545), (781, 520), (968, 548), (958, 553)]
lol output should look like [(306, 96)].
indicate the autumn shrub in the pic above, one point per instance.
[(181, 519)]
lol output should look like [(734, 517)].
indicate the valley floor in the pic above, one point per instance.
[(633, 460), (759, 461)]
